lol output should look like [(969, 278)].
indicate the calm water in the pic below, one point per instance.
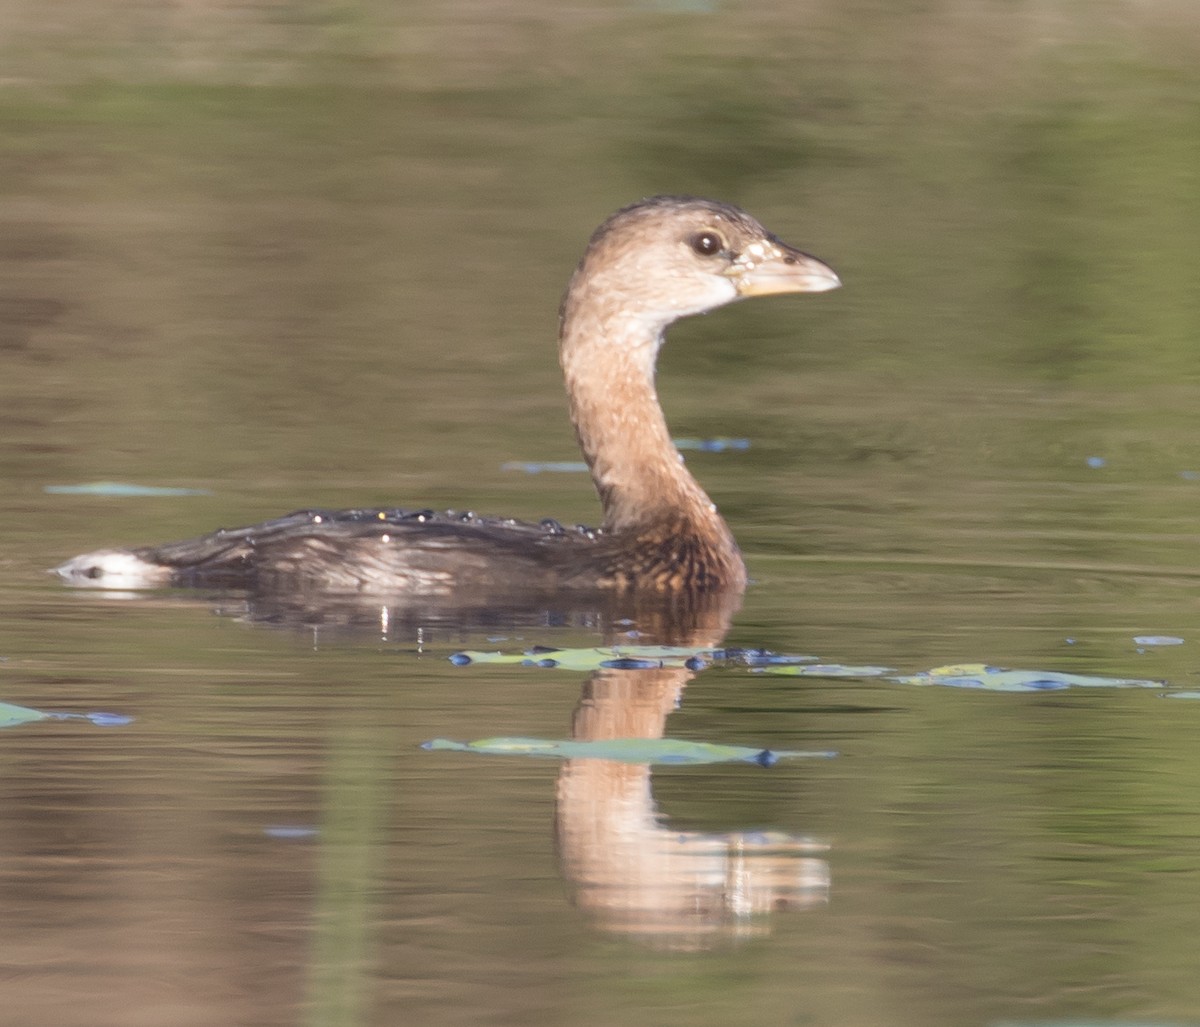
[(312, 256)]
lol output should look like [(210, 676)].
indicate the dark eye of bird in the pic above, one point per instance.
[(707, 243)]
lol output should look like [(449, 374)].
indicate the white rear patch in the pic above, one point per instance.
[(112, 568)]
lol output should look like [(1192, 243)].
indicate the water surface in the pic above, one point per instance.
[(313, 257)]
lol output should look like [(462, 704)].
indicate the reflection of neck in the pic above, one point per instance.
[(640, 877), (627, 704), (607, 824)]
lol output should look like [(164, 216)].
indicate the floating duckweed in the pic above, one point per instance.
[(716, 445), (631, 663), (654, 751), (653, 657), (825, 670), (632, 657), (551, 466), (289, 831), (1000, 679), (760, 657), (697, 658), (104, 719), (121, 489), (12, 714)]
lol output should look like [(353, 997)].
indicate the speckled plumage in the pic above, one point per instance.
[(646, 266)]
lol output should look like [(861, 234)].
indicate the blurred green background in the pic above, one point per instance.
[(311, 254)]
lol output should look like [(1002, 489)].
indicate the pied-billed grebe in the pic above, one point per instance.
[(648, 265)]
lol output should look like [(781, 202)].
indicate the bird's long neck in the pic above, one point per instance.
[(607, 349)]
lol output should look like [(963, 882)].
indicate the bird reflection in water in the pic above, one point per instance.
[(626, 866), (633, 872)]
